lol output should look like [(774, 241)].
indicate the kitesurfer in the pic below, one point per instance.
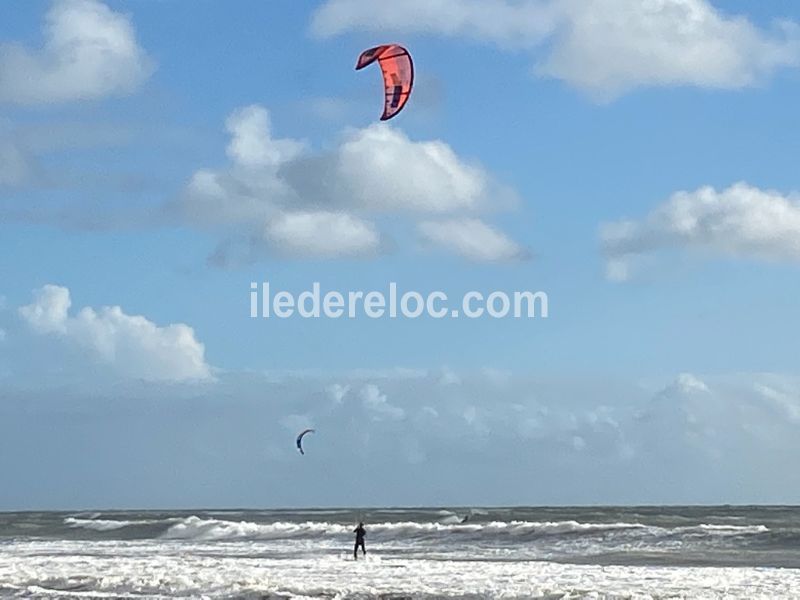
[(360, 533)]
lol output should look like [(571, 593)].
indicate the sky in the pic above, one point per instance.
[(634, 160)]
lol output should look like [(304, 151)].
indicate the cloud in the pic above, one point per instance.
[(337, 392), (471, 239), (89, 52), (787, 404), (322, 234), (692, 438), (131, 346), (685, 384), (686, 418), (377, 404), (49, 312), (251, 189), (512, 23), (605, 47), (278, 196), (741, 221), (379, 168), (252, 144)]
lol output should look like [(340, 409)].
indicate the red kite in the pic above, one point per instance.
[(398, 75)]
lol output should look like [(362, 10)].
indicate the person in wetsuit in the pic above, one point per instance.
[(360, 533)]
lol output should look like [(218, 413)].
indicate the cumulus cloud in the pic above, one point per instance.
[(741, 221), (380, 168), (89, 52), (700, 426), (378, 404), (252, 143), (337, 392), (322, 234), (786, 403), (685, 384), (283, 198), (606, 47), (131, 346), (472, 239)]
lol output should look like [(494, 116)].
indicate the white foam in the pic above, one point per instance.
[(164, 568), (97, 524), (725, 529)]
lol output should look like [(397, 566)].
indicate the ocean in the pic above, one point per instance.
[(554, 553)]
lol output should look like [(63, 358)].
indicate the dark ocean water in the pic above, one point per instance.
[(603, 552)]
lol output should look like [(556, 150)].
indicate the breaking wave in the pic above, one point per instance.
[(196, 528)]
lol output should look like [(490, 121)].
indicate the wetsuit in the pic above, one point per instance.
[(360, 533)]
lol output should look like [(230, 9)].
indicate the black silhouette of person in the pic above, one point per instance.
[(360, 533)]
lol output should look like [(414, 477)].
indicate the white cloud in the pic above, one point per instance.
[(89, 52), (787, 404), (337, 392), (132, 346), (287, 200), (250, 190), (380, 168), (472, 239), (376, 169), (605, 47), (378, 405), (3, 335), (49, 311), (685, 384), (500, 21), (252, 144), (612, 46), (741, 221), (322, 235)]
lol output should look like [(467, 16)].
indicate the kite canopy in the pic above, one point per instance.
[(300, 439), (398, 75)]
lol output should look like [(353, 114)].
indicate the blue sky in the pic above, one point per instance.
[(642, 172)]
